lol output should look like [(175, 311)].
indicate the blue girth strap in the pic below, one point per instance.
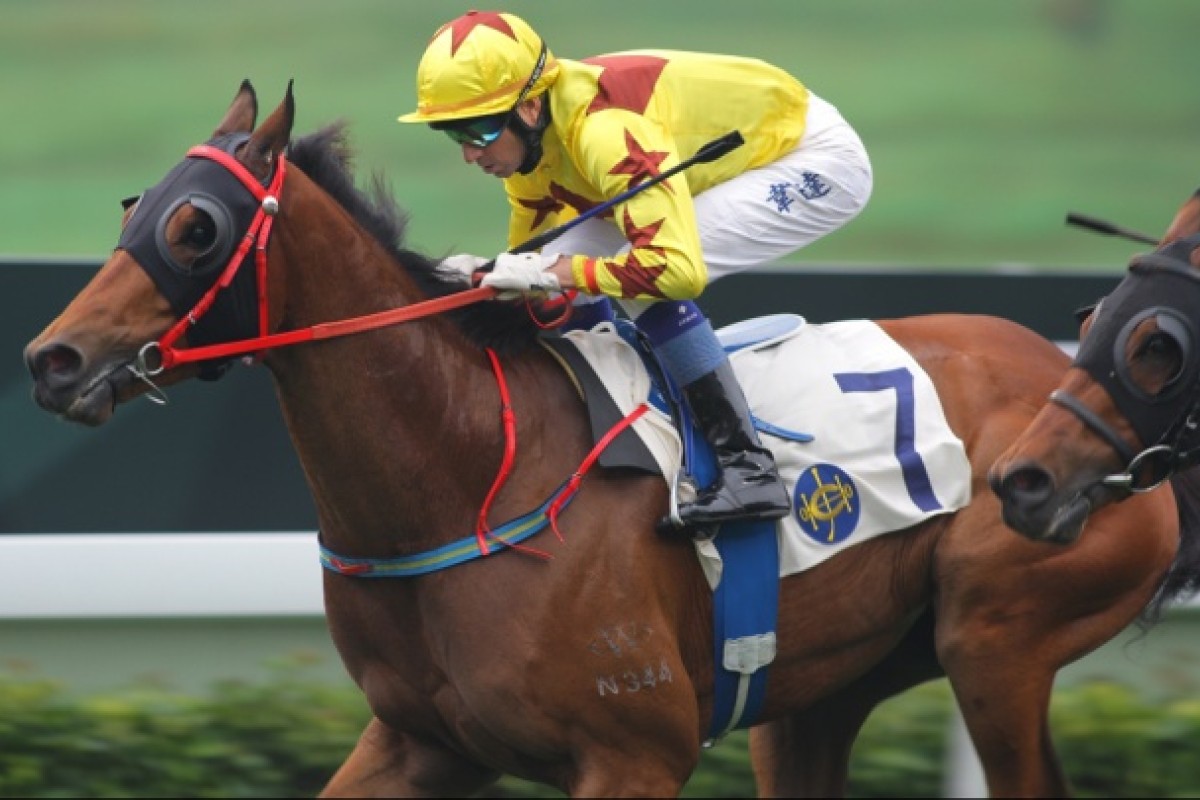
[(449, 555), (745, 608)]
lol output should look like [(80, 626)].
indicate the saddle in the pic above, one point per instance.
[(855, 424)]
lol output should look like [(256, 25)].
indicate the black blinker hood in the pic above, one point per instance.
[(1164, 285), (213, 189)]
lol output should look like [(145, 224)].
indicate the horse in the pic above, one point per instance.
[(1121, 424), (584, 663)]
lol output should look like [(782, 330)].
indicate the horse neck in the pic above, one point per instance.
[(392, 426)]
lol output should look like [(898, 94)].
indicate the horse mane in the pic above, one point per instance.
[(1182, 580), (326, 157)]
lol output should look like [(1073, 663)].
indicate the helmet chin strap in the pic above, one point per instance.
[(530, 136)]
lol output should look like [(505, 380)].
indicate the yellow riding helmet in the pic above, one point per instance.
[(483, 62)]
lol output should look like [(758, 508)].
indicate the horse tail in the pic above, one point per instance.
[(1182, 579)]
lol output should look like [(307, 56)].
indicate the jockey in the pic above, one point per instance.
[(565, 136)]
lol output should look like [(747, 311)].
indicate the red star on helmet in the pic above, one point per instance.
[(639, 165), (461, 27)]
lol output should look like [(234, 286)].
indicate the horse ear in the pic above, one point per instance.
[(242, 113), (270, 139)]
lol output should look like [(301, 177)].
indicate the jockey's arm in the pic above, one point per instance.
[(618, 150)]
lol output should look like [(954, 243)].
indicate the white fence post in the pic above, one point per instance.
[(963, 775)]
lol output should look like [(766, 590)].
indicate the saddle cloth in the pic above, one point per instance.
[(882, 457)]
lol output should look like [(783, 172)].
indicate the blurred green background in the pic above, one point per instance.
[(986, 121)]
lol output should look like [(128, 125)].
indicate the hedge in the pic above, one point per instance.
[(284, 738)]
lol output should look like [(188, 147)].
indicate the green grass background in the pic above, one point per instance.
[(986, 121)]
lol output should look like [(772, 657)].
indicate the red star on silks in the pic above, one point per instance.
[(578, 202), (637, 278), (639, 165), (627, 82), (461, 28), (542, 208), (559, 198), (641, 238)]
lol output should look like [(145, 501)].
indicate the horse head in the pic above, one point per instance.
[(1124, 418), (179, 240)]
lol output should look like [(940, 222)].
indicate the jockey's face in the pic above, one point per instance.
[(502, 157)]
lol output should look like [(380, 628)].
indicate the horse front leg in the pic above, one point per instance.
[(387, 763), (1012, 613), (1005, 703), (1002, 637)]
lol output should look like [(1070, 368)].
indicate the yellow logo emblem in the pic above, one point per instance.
[(825, 501)]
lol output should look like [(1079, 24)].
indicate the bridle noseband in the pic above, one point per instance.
[(1125, 481)]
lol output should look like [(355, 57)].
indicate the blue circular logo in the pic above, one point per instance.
[(825, 503)]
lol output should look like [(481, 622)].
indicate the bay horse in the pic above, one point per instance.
[(500, 664), (1121, 425)]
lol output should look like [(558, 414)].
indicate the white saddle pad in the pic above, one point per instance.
[(883, 457)]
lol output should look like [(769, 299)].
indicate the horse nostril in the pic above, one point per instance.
[(1027, 485), (55, 364)]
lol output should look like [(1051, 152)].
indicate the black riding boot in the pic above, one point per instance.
[(749, 486)]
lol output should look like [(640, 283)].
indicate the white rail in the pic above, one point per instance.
[(159, 575)]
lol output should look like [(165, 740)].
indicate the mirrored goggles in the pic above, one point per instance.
[(477, 131)]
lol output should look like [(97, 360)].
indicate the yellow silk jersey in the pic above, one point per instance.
[(620, 119)]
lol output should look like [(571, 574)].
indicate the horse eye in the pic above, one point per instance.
[(1160, 344), (202, 232), (1164, 350)]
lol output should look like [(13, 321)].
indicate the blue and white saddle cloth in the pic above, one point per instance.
[(882, 456)]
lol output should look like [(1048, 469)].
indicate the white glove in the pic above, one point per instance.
[(516, 274), (459, 268)]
